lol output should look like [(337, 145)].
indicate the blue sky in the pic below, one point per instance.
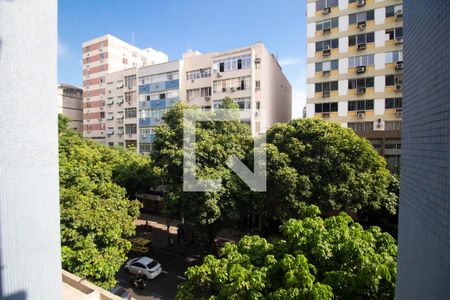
[(174, 26)]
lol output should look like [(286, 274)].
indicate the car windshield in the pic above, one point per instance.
[(152, 264)]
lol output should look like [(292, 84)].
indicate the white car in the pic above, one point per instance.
[(148, 267)]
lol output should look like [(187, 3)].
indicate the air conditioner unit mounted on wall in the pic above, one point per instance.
[(399, 14), (326, 115), (326, 94), (361, 91), (326, 50), (399, 40), (361, 3), (398, 113), (362, 25), (326, 10), (360, 69), (398, 87), (399, 65), (362, 46), (361, 114)]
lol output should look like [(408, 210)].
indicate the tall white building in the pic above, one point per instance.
[(354, 71)]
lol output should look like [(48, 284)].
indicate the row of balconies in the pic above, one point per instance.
[(361, 4), (361, 114), (159, 86), (156, 104)]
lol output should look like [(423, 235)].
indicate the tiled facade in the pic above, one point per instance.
[(137, 98), (424, 220), (355, 68)]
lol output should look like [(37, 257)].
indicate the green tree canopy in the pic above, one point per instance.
[(333, 258), (96, 216), (318, 162), (215, 142)]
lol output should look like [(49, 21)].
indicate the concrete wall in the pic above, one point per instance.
[(424, 223), (29, 199)]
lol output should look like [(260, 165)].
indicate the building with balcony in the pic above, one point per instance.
[(135, 99), (354, 70), (101, 56), (70, 104)]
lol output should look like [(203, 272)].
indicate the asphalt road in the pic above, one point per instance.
[(165, 285)]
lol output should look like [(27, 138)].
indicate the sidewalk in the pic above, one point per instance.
[(159, 235)]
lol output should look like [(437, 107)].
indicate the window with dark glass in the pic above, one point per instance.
[(326, 86), (321, 4), (395, 33), (360, 17), (327, 24), (365, 38), (332, 43), (326, 107), (390, 80), (327, 65), (391, 10), (361, 83), (393, 103), (360, 105)]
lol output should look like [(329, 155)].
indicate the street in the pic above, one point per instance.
[(162, 287)]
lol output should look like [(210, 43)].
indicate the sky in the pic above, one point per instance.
[(174, 26)]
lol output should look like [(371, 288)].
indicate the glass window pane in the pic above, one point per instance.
[(334, 22), (369, 82), (318, 67), (319, 46), (334, 85), (326, 107), (370, 15), (352, 19), (318, 108), (334, 65), (361, 39), (335, 43), (318, 87), (352, 40), (334, 107)]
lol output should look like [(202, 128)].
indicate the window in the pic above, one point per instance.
[(130, 112), (130, 144), (361, 126), (130, 128), (333, 44), (239, 83), (205, 92), (358, 61), (395, 56), (201, 73), (360, 105), (130, 96), (391, 10), (392, 79), (326, 107), (365, 38), (326, 86), (327, 24), (233, 63), (393, 103), (327, 65), (361, 17), (321, 4), (394, 33), (110, 116), (258, 84), (243, 103), (145, 147), (360, 83), (392, 125), (191, 94), (130, 81), (159, 77), (146, 130)]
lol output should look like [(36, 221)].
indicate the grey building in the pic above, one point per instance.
[(424, 221), (70, 104)]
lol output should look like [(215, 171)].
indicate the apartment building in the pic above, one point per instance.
[(251, 76), (137, 98), (354, 71), (101, 56), (70, 104)]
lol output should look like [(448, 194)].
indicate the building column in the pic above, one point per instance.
[(29, 196)]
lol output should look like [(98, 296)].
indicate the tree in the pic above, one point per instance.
[(333, 258), (215, 142), (318, 162), (96, 216)]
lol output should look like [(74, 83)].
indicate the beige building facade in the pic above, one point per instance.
[(70, 104), (354, 70)]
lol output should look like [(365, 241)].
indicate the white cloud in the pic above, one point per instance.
[(290, 61)]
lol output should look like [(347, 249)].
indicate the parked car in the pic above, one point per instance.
[(140, 245), (121, 292), (147, 266)]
